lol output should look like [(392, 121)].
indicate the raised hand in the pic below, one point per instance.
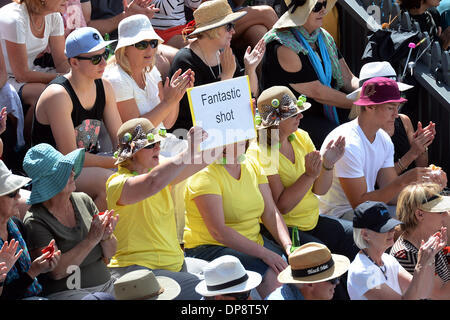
[(3, 115), (45, 262), (313, 164), (195, 136), (111, 220), (174, 90), (252, 58), (334, 151), (8, 254), (228, 63), (139, 7)]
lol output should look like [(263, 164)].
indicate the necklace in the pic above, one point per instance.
[(206, 62), (36, 28), (382, 268)]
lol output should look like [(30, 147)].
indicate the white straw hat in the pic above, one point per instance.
[(10, 182), (134, 29)]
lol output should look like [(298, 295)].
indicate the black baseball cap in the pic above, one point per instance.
[(374, 216)]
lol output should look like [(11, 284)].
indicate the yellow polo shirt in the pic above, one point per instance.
[(306, 213), (146, 232), (242, 202)]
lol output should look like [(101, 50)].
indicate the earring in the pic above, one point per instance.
[(43, 3)]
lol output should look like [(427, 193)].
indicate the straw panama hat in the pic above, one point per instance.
[(213, 14), (134, 29), (50, 170), (276, 104), (226, 274), (134, 135), (313, 262), (300, 15), (10, 182), (144, 285)]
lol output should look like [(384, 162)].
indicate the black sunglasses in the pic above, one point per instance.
[(319, 6), (239, 295), (229, 26), (13, 194), (142, 45), (334, 281), (97, 58), (151, 146)]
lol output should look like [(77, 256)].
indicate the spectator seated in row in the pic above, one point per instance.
[(304, 57), (423, 211), (210, 56), (313, 274), (369, 154), (70, 110), (376, 275), (27, 28), (82, 234), (18, 277), (140, 193)]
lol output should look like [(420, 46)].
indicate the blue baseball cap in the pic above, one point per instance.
[(374, 215), (84, 40)]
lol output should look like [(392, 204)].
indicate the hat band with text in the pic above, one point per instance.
[(228, 284), (312, 271)]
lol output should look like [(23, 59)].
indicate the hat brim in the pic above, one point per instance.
[(254, 279), (171, 289), (227, 19), (364, 102), (440, 204), (157, 137), (13, 183), (100, 46), (305, 106), (341, 264), (389, 225), (300, 15), (52, 184), (143, 35), (354, 96)]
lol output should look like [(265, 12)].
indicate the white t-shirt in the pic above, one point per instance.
[(15, 27), (361, 159), (364, 275), (125, 88)]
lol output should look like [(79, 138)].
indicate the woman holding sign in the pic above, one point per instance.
[(210, 55), (225, 203)]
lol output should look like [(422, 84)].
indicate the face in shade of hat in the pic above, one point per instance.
[(213, 14), (9, 184), (50, 170)]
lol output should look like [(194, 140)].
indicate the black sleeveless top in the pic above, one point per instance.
[(42, 133), (401, 142)]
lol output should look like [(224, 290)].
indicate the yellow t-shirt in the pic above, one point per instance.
[(146, 232), (243, 204), (306, 213)]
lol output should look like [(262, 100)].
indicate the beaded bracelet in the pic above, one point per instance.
[(327, 169)]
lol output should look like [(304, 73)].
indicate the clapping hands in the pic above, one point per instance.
[(252, 58), (333, 152)]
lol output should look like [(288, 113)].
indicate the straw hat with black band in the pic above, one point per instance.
[(213, 14)]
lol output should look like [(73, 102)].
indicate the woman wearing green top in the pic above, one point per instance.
[(297, 172)]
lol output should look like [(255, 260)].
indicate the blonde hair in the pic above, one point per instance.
[(211, 33), (33, 6), (410, 199), (121, 59)]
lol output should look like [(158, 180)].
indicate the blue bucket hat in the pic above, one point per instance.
[(50, 170), (84, 40)]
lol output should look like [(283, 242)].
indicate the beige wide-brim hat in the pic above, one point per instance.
[(438, 204), (300, 15), (134, 29), (10, 182), (144, 285), (134, 135), (276, 104), (213, 14), (313, 262)]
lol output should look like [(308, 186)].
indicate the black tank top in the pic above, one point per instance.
[(401, 141), (42, 133)]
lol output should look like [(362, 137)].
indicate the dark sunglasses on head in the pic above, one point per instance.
[(142, 45), (239, 295), (97, 58), (229, 26), (13, 194), (151, 146), (334, 281), (319, 6)]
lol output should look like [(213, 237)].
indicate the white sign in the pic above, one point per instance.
[(223, 109)]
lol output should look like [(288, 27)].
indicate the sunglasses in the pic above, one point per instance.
[(319, 6), (13, 194), (229, 26), (334, 281), (239, 295), (142, 45), (151, 146), (95, 60)]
